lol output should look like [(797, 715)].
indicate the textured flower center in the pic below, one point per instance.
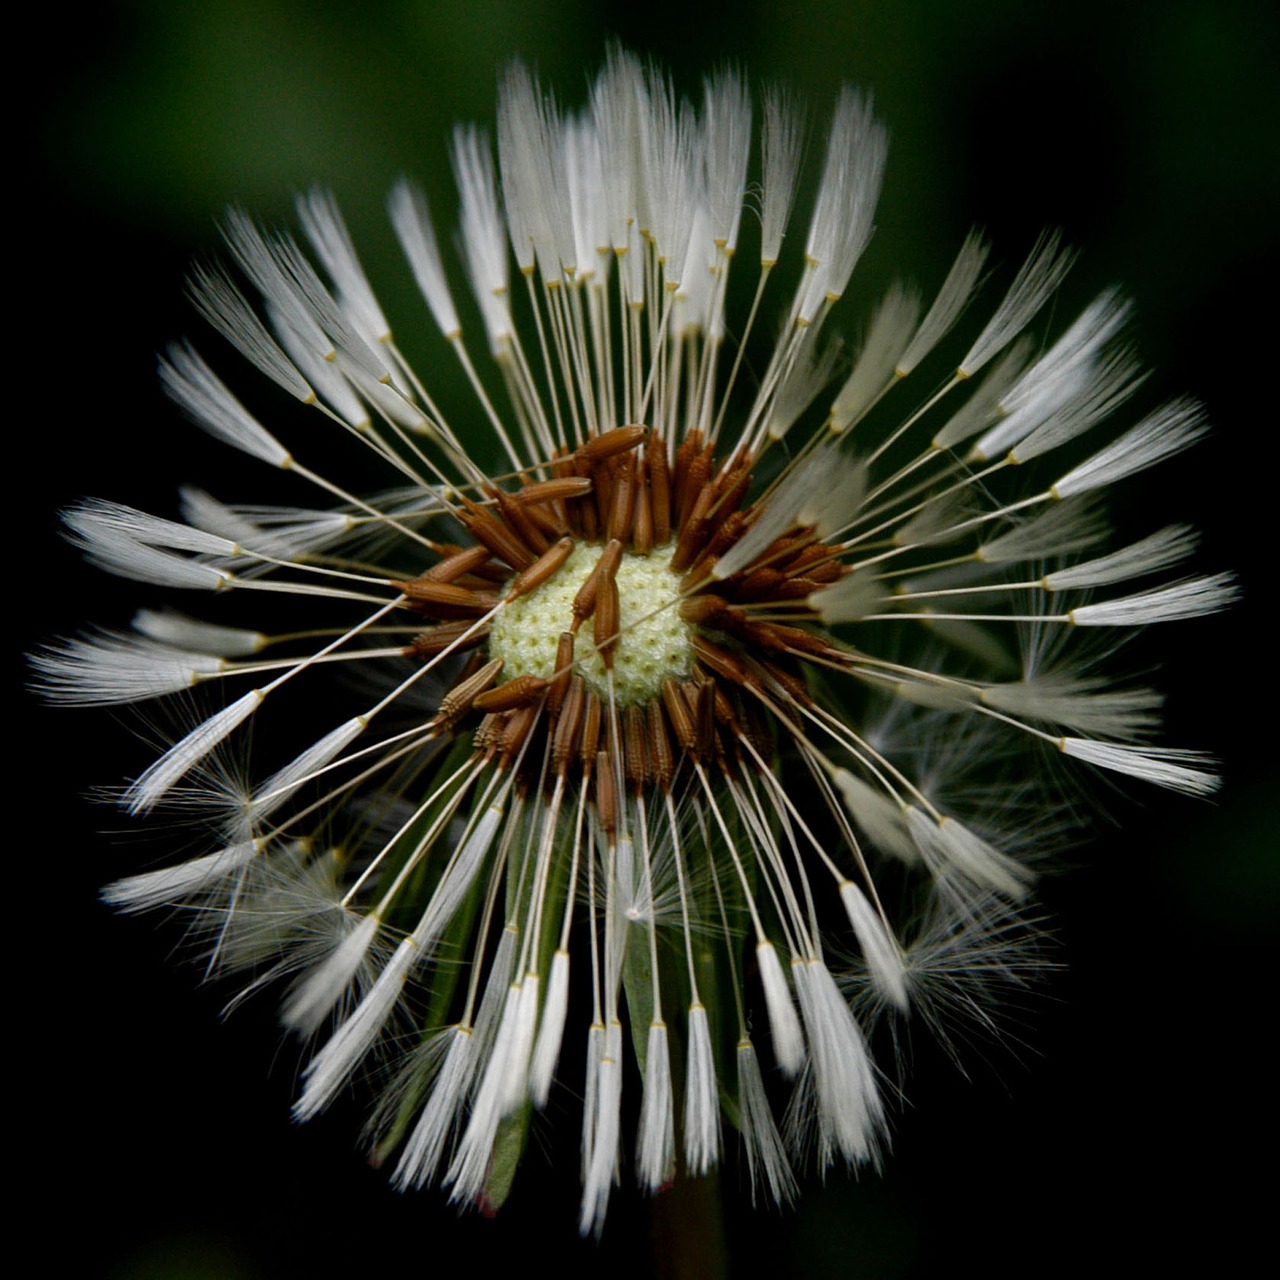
[(653, 645)]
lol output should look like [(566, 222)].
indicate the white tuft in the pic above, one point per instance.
[(655, 1141), (169, 627), (109, 669), (951, 850), (546, 1051), (842, 217), (1189, 599), (171, 885), (310, 1003), (784, 1025), (766, 1156), (701, 1101), (411, 218), (879, 816), (879, 947), (874, 371), (848, 599), (1032, 287), (948, 306), (850, 1113), (329, 1070), (226, 309), (282, 784), (602, 1168), (419, 1163), (1180, 770), (207, 402), (1160, 435), (150, 786), (1159, 551), (782, 141), (1061, 528)]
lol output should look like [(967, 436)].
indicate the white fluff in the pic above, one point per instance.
[(281, 785), (329, 1070), (207, 402), (879, 947), (603, 1166), (419, 1163), (411, 218), (152, 784), (169, 627), (546, 1051), (874, 371), (1179, 600), (843, 215), (766, 1156), (226, 309), (327, 230), (951, 300), (315, 996), (1160, 435), (1180, 770), (175, 884), (879, 816), (1159, 551), (655, 1140), (701, 1099), (1035, 283), (110, 669), (850, 1113), (784, 1025), (949, 849)]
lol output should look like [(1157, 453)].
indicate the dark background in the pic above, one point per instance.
[(158, 1139)]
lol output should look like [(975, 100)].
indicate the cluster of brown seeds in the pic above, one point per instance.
[(620, 489)]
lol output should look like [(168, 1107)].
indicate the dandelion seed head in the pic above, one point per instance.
[(661, 717)]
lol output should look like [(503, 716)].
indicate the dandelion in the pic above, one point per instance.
[(713, 690)]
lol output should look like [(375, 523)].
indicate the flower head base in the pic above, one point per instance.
[(592, 793)]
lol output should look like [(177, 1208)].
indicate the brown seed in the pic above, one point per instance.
[(519, 692), (622, 500), (558, 490), (606, 794), (462, 696), (607, 625), (587, 510), (635, 761), (706, 718), (567, 739), (436, 639), (706, 609), (609, 443), (725, 664), (695, 484), (678, 713), (564, 673), (457, 565), (689, 449), (694, 532), (782, 638), (543, 568), (642, 526), (660, 746), (584, 603), (518, 520), (516, 730), (497, 537), (592, 718), (446, 595), (659, 488)]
